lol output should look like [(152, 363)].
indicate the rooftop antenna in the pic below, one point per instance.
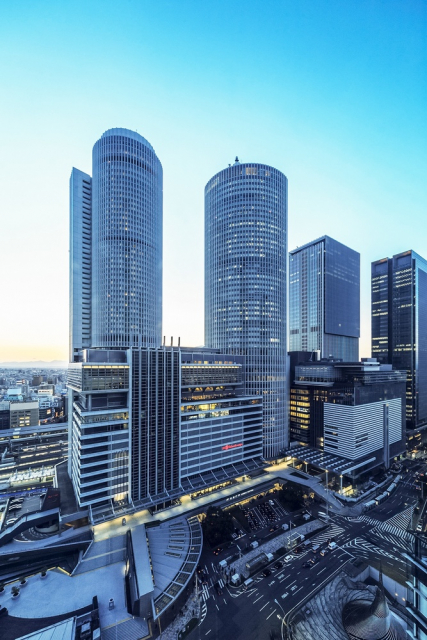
[(237, 161)]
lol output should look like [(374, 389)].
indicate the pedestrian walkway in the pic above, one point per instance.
[(130, 629), (332, 532), (364, 548), (102, 553), (395, 526)]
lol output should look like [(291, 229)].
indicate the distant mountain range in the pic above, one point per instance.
[(35, 364)]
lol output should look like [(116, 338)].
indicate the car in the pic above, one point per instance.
[(419, 527), (288, 558), (11, 521), (266, 573), (324, 552), (306, 565), (17, 507), (218, 588), (315, 560), (278, 565)]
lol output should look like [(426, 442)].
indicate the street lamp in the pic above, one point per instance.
[(283, 618)]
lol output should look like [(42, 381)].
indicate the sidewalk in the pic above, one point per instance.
[(191, 610)]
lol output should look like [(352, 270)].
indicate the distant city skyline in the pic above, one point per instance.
[(331, 94)]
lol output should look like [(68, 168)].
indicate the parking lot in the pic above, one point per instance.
[(18, 507), (264, 515)]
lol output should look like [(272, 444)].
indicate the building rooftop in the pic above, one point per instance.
[(64, 630)]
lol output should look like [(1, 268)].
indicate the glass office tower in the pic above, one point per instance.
[(399, 325), (324, 299), (80, 335), (127, 219), (245, 283)]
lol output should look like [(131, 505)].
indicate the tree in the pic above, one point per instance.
[(292, 495), (217, 526)]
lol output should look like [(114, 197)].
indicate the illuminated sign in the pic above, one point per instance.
[(232, 446)]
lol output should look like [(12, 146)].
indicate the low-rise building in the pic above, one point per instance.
[(353, 410), (24, 414)]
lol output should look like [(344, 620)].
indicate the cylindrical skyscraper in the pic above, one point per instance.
[(127, 220), (245, 283)]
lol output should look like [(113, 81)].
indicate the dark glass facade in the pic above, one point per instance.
[(155, 411), (381, 292), (324, 299), (399, 325)]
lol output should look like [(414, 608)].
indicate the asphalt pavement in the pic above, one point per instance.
[(379, 536)]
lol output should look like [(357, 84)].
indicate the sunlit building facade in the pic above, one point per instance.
[(127, 219), (245, 284)]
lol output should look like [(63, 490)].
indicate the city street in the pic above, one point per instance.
[(379, 536)]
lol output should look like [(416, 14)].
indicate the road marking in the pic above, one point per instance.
[(217, 606), (271, 614), (208, 632), (266, 605), (258, 599), (324, 569), (285, 595)]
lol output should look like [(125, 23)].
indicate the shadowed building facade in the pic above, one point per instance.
[(399, 325), (324, 299)]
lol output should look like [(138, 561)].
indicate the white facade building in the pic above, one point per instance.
[(356, 431)]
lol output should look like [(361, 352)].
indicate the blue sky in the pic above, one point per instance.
[(332, 93)]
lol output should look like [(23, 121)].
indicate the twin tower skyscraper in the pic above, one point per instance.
[(116, 228)]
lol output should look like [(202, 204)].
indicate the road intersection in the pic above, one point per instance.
[(379, 536)]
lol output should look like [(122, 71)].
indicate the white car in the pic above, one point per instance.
[(288, 558), (11, 521)]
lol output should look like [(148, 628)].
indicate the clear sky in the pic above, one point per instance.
[(332, 93)]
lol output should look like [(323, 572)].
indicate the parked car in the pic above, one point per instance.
[(278, 565), (266, 573), (306, 565)]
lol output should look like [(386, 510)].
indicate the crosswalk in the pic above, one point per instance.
[(205, 593), (333, 532), (395, 526), (203, 613), (364, 548)]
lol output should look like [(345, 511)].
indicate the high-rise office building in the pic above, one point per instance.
[(399, 325), (324, 299), (245, 283), (116, 220), (80, 262), (147, 422)]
